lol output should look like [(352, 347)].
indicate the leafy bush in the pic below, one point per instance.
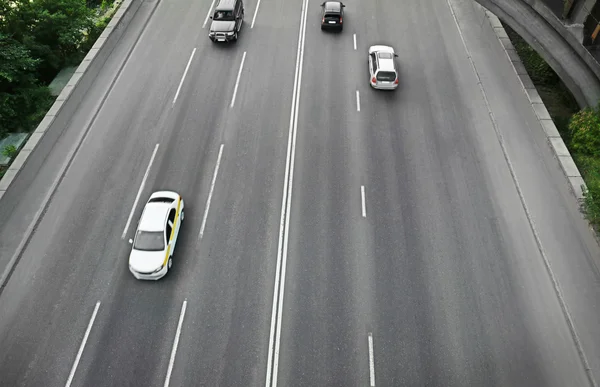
[(23, 101), (590, 169), (585, 130), (9, 151)]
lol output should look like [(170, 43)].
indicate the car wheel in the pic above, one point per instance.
[(235, 37), (170, 263)]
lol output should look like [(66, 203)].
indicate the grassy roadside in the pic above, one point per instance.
[(580, 130)]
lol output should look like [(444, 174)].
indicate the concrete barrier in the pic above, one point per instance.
[(68, 101), (540, 28), (555, 141)]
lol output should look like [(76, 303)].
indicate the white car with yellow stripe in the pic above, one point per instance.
[(156, 235)]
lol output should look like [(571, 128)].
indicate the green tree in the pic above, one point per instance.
[(52, 30), (21, 97)]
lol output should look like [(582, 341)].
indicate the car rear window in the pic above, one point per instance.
[(386, 76), (149, 241), (332, 16)]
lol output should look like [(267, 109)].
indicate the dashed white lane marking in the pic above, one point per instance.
[(363, 201), (183, 77), (371, 361), (255, 13), (208, 13), (210, 193), (137, 198), (82, 346), (357, 101), (237, 81), (354, 42), (175, 343)]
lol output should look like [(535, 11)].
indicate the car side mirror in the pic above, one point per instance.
[(130, 241), (343, 5), (396, 55), (210, 17)]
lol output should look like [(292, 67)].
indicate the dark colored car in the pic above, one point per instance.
[(227, 20), (332, 15)]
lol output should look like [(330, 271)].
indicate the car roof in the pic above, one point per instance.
[(387, 65), (154, 215), (333, 6)]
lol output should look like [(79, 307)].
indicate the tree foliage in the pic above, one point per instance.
[(37, 39), (585, 129), (52, 30)]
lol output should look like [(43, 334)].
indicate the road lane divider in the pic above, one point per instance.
[(210, 192), (371, 361), (255, 13), (357, 101), (354, 37), (184, 74), (82, 346), (363, 201), (208, 13), (175, 343), (137, 197), (237, 81), (284, 224)]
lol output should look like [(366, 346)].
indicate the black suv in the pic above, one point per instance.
[(227, 20), (332, 15)]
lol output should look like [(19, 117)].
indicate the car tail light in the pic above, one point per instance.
[(396, 81), (340, 19), (373, 80), (323, 20)]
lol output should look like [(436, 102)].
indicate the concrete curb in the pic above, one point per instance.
[(570, 170), (77, 86)]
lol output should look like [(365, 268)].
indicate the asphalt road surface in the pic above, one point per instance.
[(334, 235)]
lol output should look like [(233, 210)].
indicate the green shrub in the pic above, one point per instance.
[(585, 130), (590, 169), (9, 151)]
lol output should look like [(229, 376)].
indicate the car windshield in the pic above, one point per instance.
[(224, 16), (385, 55), (386, 76), (149, 241)]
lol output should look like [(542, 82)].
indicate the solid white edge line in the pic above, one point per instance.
[(184, 74), (371, 361), (210, 193), (237, 81), (137, 198), (363, 201), (175, 343), (82, 346), (357, 101), (255, 13), (282, 253), (354, 42), (289, 204), (208, 13)]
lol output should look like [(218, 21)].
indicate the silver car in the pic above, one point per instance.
[(382, 67)]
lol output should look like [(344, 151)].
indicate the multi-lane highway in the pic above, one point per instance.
[(334, 235)]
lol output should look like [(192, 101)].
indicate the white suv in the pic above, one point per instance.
[(382, 67)]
